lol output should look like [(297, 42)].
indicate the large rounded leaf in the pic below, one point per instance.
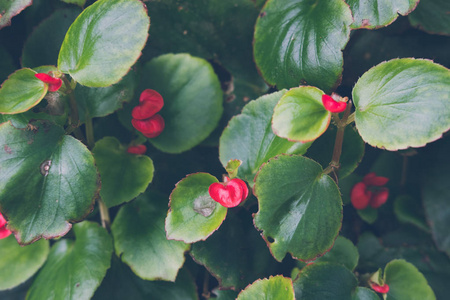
[(9, 9), (406, 282), (343, 252), (253, 127), (20, 263), (300, 208), (277, 287), (378, 13), (104, 42), (48, 179), (402, 103), (193, 214), (300, 42), (140, 239), (192, 99), (300, 115), (21, 91), (124, 176), (432, 16), (320, 281), (74, 269)]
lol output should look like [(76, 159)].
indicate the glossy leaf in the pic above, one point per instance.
[(300, 42), (124, 176), (343, 252), (192, 99), (52, 30), (406, 282), (193, 214), (363, 293), (409, 210), (277, 287), (74, 268), (402, 103), (378, 13), (319, 281), (300, 115), (9, 9), (93, 51), (20, 263), (21, 91), (253, 127), (300, 208), (48, 180), (140, 239), (432, 16)]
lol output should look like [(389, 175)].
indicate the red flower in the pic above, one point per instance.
[(370, 192), (138, 149), (145, 119), (3, 231), (332, 105), (382, 289), (230, 193), (53, 83)]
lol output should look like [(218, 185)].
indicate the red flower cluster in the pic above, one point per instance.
[(332, 105), (145, 117), (3, 231), (138, 149), (229, 193), (53, 83), (370, 192)]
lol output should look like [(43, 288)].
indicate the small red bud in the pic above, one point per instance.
[(372, 179), (360, 196), (150, 102), (3, 231), (379, 197), (151, 127), (333, 106), (230, 193), (382, 289), (53, 83), (138, 149)]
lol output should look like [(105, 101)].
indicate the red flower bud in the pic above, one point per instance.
[(372, 179), (53, 83), (230, 193), (151, 127), (383, 289), (3, 231), (138, 149), (360, 196), (150, 102), (332, 105), (379, 197)]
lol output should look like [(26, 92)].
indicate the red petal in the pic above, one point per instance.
[(244, 187), (2, 220), (151, 127), (53, 83), (359, 196), (139, 149), (4, 232), (379, 198), (333, 106), (383, 289), (372, 179), (228, 194), (150, 102)]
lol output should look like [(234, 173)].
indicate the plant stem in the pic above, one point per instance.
[(73, 103), (89, 131), (206, 294)]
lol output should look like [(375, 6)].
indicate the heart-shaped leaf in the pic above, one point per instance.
[(402, 103), (193, 214), (300, 208), (378, 13), (9, 9), (74, 268), (300, 115), (20, 262), (300, 42), (343, 252), (253, 127), (21, 91), (124, 176), (93, 51), (48, 179), (140, 239), (406, 282), (319, 281), (277, 287), (432, 16)]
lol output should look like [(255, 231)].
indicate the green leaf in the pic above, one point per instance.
[(300, 42), (369, 214), (76, 2), (192, 99), (343, 252), (378, 13), (363, 293), (48, 179), (253, 127), (21, 91), (432, 16), (300, 208), (300, 115), (42, 46), (224, 294), (352, 150), (246, 256), (74, 268), (98, 49), (277, 287), (402, 103), (406, 282), (124, 176), (20, 262), (193, 214), (100, 102), (409, 210), (140, 239), (323, 280), (9, 9)]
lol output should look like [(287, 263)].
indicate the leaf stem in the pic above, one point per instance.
[(89, 131)]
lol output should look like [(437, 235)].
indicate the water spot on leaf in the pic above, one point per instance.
[(45, 167), (204, 205)]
